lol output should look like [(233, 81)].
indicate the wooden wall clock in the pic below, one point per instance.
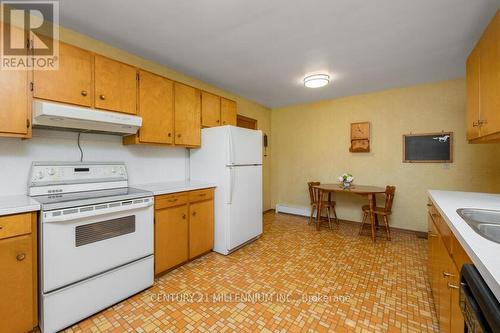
[(360, 137)]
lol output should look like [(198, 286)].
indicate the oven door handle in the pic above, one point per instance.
[(49, 218)]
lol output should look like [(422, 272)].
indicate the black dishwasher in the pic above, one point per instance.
[(480, 307)]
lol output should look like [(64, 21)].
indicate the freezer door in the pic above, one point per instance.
[(245, 146), (245, 205)]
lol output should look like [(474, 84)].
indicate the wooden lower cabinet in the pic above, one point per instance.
[(444, 272), (184, 227), (201, 228), (18, 273), (171, 237)]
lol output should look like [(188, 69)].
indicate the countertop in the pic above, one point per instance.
[(483, 252), (16, 204), (173, 187)]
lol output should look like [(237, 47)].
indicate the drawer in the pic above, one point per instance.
[(15, 225), (171, 200), (200, 195), (441, 226)]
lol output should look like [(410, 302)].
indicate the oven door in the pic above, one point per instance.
[(78, 243)]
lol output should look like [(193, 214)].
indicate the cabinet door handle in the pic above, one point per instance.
[(217, 121), (429, 205), (194, 213), (102, 97), (179, 135), (184, 216), (452, 286), (21, 257), (84, 93), (446, 274), (1, 227), (169, 135), (28, 123)]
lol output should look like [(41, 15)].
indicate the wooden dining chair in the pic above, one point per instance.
[(383, 212), (314, 196)]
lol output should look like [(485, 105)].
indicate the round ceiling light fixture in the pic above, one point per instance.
[(316, 80)]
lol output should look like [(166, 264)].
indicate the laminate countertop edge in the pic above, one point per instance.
[(174, 187), (483, 252), (17, 204)]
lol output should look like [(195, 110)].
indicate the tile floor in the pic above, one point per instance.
[(293, 279)]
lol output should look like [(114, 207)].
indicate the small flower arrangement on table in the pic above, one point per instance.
[(346, 180)]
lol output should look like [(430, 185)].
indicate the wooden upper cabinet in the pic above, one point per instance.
[(472, 99), (115, 85), (228, 112), (15, 106), (489, 77), (156, 107), (71, 83), (210, 109), (187, 109)]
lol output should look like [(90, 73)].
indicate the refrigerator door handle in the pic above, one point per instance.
[(231, 185), (231, 148)]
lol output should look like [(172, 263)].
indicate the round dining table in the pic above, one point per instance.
[(369, 191)]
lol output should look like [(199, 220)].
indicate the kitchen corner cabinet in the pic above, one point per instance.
[(71, 83), (187, 115), (228, 112), (483, 86), (115, 85), (18, 276), (184, 227), (210, 109), (445, 259), (156, 107)]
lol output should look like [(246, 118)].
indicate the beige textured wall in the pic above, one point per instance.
[(310, 142), (245, 106)]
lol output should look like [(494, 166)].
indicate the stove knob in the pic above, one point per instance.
[(113, 170), (39, 175), (52, 172)]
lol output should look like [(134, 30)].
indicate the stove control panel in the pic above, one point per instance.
[(43, 173)]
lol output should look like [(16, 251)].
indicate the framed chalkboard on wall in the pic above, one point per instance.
[(428, 148)]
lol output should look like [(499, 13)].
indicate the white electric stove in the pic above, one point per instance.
[(96, 239)]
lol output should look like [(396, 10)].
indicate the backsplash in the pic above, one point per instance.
[(145, 164)]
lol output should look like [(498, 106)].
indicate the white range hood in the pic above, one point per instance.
[(70, 117)]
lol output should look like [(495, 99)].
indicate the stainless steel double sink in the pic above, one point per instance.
[(483, 221)]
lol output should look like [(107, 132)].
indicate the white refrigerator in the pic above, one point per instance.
[(231, 157)]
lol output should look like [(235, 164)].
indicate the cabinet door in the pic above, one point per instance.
[(228, 112), (15, 116), (472, 106), (210, 110), (457, 319), (71, 83), (201, 227), (489, 77), (171, 237), (16, 287), (156, 107), (444, 292), (187, 116), (115, 85), (432, 258)]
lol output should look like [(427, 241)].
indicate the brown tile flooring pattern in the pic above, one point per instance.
[(386, 284)]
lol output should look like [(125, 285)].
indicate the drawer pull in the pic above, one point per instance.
[(84, 93), (173, 200), (446, 274), (429, 205), (202, 194), (432, 235), (102, 97), (452, 286), (21, 257)]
